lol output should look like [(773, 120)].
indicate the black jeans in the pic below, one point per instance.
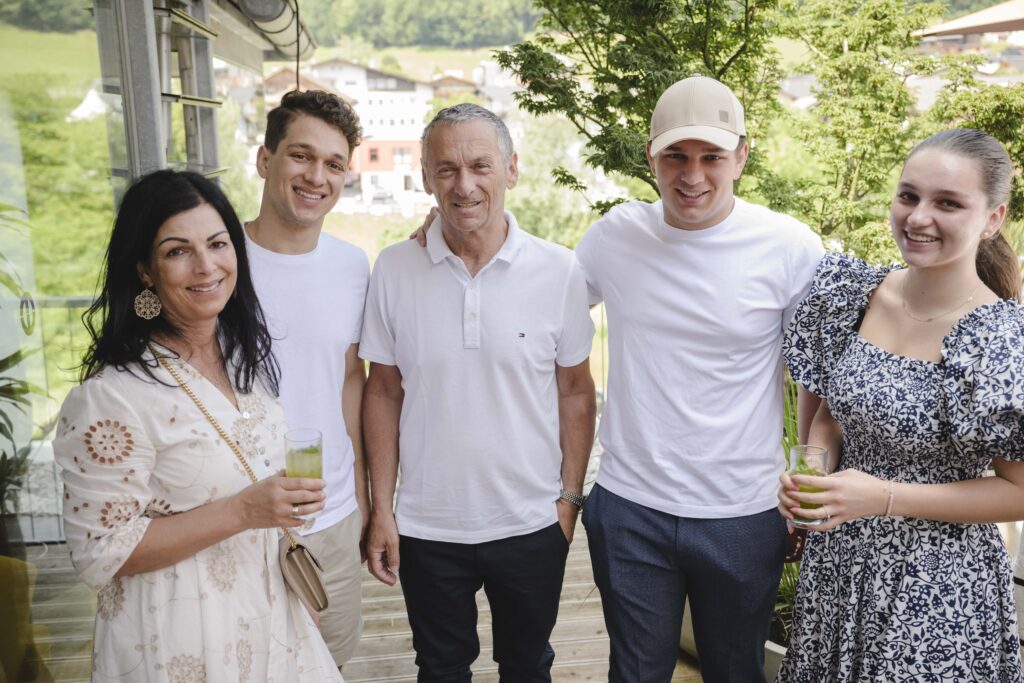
[(522, 577)]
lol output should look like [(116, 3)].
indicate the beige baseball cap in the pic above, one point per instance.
[(697, 108)]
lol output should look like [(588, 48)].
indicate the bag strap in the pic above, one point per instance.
[(216, 425)]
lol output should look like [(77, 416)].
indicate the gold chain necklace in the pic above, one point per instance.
[(903, 299)]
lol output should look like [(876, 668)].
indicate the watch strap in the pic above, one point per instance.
[(576, 499)]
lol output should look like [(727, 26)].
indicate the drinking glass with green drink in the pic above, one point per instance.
[(304, 457), (816, 462), (304, 453)]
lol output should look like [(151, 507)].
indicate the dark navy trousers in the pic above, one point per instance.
[(522, 578), (647, 562)]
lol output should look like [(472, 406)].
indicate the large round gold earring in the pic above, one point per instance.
[(147, 304)]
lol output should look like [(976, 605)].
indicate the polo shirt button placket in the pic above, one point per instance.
[(471, 316)]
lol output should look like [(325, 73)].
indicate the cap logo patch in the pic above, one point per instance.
[(723, 116)]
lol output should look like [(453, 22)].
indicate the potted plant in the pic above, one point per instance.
[(15, 392), (782, 621), (14, 397)]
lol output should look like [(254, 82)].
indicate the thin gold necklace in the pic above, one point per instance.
[(903, 298)]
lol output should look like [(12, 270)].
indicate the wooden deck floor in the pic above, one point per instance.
[(63, 611)]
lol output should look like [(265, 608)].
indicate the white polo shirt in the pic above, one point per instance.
[(692, 425), (479, 451)]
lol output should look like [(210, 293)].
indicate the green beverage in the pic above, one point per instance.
[(304, 454), (811, 461), (305, 462), (803, 468)]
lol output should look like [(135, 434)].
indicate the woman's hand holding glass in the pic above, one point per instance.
[(845, 495), (277, 501)]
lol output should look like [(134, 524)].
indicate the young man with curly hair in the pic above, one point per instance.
[(312, 287)]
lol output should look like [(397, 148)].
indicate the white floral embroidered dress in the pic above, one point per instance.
[(132, 450)]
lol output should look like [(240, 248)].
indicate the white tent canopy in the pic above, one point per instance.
[(1008, 16)]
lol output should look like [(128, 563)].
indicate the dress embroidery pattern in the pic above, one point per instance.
[(108, 441), (245, 428), (110, 599), (243, 651), (186, 669), (220, 567), (117, 511)]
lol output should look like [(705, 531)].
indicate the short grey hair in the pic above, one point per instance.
[(467, 111)]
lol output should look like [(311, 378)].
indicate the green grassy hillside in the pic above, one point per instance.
[(70, 55)]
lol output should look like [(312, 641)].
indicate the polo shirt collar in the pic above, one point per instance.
[(439, 250)]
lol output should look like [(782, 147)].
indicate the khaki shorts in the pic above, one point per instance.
[(337, 549)]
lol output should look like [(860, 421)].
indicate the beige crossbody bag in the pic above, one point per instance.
[(302, 572)]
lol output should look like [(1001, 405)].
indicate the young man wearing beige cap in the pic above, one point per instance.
[(698, 288)]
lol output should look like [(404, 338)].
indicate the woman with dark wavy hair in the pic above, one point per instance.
[(921, 369), (161, 517)]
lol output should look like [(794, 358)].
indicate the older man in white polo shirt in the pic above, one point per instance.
[(480, 393)]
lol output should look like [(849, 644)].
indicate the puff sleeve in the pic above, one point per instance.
[(826, 320), (984, 382), (106, 458)]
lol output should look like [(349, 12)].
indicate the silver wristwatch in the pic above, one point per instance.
[(575, 498)]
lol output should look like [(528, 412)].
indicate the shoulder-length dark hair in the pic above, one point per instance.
[(119, 336)]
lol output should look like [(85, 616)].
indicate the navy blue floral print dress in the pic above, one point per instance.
[(894, 599)]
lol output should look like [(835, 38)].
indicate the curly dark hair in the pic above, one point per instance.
[(119, 337), (327, 107)]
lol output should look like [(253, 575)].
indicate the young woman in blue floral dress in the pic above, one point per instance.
[(921, 372)]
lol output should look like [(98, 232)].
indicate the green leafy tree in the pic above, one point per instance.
[(958, 8), (70, 199), (391, 64), (603, 64), (385, 23), (316, 15), (70, 202), (543, 207), (238, 182), (46, 15), (999, 111), (861, 54), (439, 103), (995, 109)]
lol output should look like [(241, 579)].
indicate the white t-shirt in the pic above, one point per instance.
[(313, 303), (479, 452), (693, 420)]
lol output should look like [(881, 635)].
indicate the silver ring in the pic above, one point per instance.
[(295, 510)]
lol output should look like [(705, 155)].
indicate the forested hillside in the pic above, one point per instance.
[(384, 23), (958, 8)]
